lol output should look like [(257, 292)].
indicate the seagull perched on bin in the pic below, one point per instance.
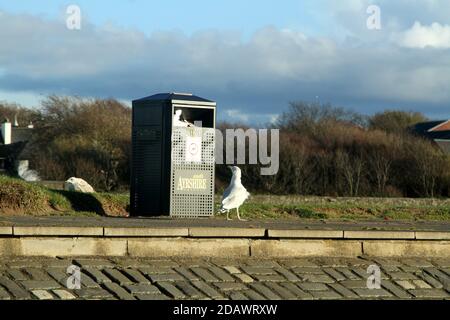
[(180, 123), (235, 194)]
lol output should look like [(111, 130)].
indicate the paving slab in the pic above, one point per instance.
[(405, 284), (17, 291), (295, 289), (420, 284), (372, 293), (152, 297), (142, 288), (343, 291), (258, 270), (94, 262), (189, 289), (165, 277), (146, 232), (289, 233), (253, 295), (151, 269), (309, 247), (230, 286), (171, 290), (322, 278), (405, 248), (205, 275), (431, 280), (4, 295), (42, 294), (93, 293), (283, 292), (227, 232), (244, 277), (336, 275), (135, 275), (290, 276), (268, 277), (63, 294), (238, 296), (36, 284), (6, 230), (117, 276), (119, 291), (17, 275), (250, 278), (379, 234), (53, 246), (87, 281), (430, 293), (207, 289), (57, 231), (97, 275), (396, 290), (326, 295), (432, 235), (312, 286), (265, 291), (185, 247), (232, 269), (185, 272), (221, 274)]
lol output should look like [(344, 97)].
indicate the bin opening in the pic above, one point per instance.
[(206, 116)]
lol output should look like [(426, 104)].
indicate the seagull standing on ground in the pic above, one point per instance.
[(235, 194)]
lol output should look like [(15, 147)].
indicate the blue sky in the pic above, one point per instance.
[(188, 16), (252, 57)]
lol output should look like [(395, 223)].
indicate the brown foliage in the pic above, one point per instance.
[(330, 151), (323, 150), (89, 139)]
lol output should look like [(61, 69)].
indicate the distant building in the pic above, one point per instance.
[(437, 131), (13, 143)]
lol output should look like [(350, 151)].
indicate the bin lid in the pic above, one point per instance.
[(177, 97)]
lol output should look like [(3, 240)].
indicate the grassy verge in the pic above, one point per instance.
[(345, 209), (18, 197)]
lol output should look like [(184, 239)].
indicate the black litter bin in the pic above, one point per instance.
[(172, 167)]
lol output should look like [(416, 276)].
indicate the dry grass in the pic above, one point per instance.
[(18, 197), (344, 209)]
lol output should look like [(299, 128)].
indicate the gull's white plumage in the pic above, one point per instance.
[(235, 194), (177, 122)]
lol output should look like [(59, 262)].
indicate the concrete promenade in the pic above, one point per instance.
[(164, 237), (161, 258)]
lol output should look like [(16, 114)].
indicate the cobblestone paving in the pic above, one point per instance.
[(249, 279)]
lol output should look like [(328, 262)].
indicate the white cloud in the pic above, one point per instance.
[(253, 118), (236, 114), (261, 74), (422, 36)]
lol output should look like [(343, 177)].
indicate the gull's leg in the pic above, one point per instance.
[(239, 217), (228, 218)]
